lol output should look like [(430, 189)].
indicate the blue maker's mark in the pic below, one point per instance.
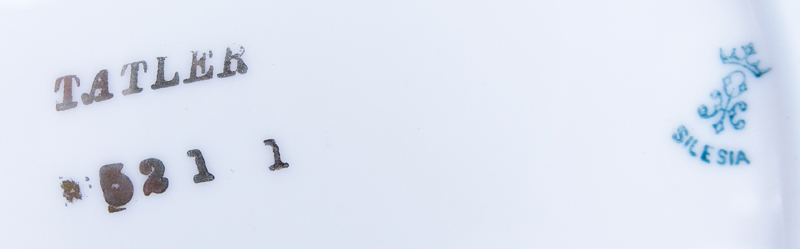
[(732, 86)]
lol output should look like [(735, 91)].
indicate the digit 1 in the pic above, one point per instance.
[(117, 187), (277, 154), (156, 182), (202, 175)]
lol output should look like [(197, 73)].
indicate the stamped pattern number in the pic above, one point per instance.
[(118, 189)]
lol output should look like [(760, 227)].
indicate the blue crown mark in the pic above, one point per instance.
[(734, 59), (731, 89)]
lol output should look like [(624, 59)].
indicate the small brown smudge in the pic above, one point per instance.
[(114, 209), (71, 190)]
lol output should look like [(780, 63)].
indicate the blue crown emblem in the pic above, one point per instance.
[(744, 62)]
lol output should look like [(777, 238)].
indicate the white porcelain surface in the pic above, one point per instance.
[(406, 124)]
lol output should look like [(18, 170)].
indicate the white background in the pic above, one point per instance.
[(407, 124)]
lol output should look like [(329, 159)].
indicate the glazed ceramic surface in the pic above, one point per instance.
[(399, 124)]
